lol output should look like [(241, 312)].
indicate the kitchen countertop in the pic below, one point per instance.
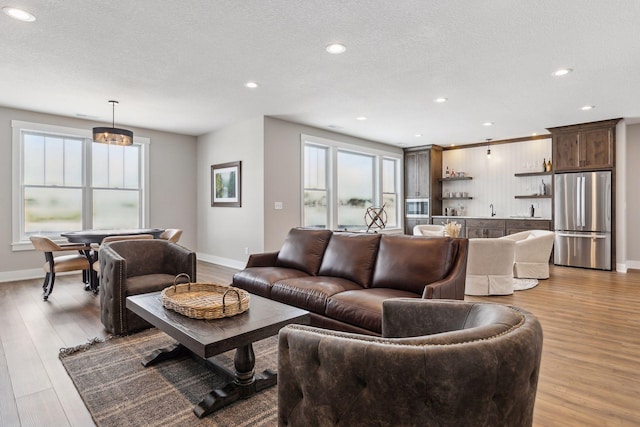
[(494, 217)]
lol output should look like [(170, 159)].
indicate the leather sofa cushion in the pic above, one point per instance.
[(363, 307), (303, 250), (410, 263), (259, 280), (351, 256), (310, 293)]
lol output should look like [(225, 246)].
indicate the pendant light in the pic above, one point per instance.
[(113, 135), (488, 148)]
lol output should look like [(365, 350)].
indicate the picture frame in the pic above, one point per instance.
[(226, 184)]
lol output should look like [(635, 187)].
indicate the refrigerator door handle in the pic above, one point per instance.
[(578, 202), (582, 221), (583, 236)]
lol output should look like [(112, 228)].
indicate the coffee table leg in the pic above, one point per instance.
[(245, 384), (162, 354)]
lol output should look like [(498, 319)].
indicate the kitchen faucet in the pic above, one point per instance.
[(493, 213)]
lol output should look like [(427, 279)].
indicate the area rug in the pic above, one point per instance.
[(119, 391), (524, 284)]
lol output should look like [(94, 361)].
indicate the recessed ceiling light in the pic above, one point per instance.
[(251, 85), (534, 134), (361, 118), (440, 100), (418, 135), (561, 72), (19, 14), (487, 124), (588, 107), (336, 48)]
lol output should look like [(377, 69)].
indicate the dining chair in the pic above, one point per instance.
[(62, 263), (171, 234)]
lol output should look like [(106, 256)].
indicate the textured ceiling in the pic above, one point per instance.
[(180, 66)]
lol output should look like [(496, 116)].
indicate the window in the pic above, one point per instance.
[(63, 181), (315, 185), (340, 181)]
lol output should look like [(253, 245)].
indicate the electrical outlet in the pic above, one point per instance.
[(278, 205)]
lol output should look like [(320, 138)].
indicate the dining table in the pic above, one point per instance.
[(96, 236)]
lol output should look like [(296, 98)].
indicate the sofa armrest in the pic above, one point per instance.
[(452, 286), (267, 259)]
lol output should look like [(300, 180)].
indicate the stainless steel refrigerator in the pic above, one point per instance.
[(582, 215)]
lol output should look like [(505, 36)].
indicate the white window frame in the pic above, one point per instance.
[(19, 243), (333, 147)]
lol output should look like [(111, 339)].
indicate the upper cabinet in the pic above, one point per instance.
[(416, 166), (584, 146)]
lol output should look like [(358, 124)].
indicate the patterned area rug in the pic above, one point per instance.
[(119, 391), (524, 284)]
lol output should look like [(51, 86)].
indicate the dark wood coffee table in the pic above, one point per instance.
[(207, 338)]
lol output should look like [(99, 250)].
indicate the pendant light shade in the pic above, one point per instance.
[(113, 135)]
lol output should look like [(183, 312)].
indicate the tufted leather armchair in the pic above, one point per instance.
[(439, 363), (134, 267)]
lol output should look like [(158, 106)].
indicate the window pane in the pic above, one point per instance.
[(116, 209), (99, 164), (388, 176), (354, 189), (73, 162), (54, 161), (132, 167), (52, 210), (391, 208), (116, 166), (33, 159), (315, 167), (315, 208)]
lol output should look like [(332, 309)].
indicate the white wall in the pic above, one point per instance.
[(631, 209), (225, 234), (282, 174), (494, 181), (172, 194)]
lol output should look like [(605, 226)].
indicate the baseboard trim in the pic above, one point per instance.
[(227, 262), (33, 273)]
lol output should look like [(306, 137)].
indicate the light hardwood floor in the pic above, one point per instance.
[(590, 373)]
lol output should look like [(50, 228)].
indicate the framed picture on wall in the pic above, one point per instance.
[(226, 184)]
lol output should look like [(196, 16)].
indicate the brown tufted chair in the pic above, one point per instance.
[(133, 267), (439, 363)]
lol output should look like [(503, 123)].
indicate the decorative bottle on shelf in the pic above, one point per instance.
[(543, 188), (446, 174), (544, 165), (549, 166), (531, 211)]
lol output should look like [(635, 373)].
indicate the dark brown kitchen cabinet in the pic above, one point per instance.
[(416, 166), (584, 146), (517, 225), (422, 168), (483, 228)]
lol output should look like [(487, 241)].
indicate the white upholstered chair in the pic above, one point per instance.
[(490, 267), (533, 250), (429, 230)]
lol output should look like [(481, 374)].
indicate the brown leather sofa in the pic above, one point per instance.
[(343, 278)]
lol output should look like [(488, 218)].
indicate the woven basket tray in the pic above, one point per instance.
[(204, 300)]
